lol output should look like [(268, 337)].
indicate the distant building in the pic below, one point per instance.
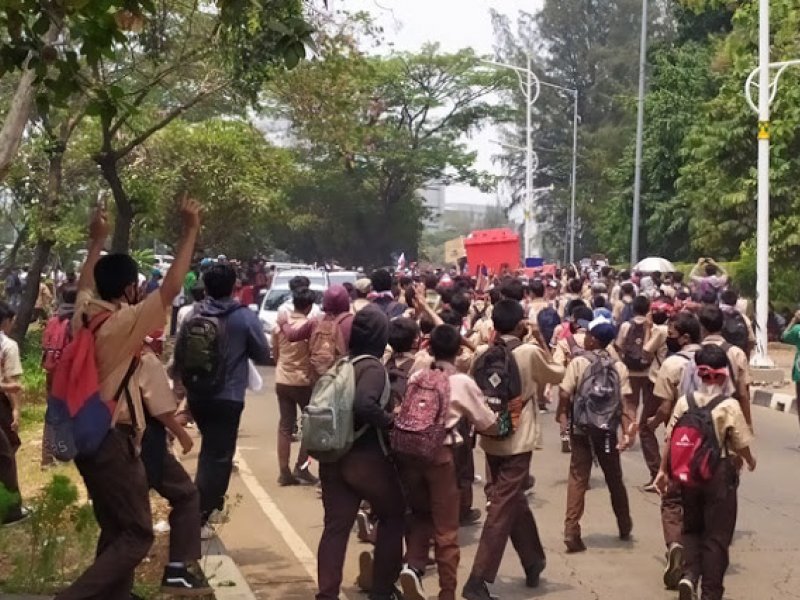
[(433, 200)]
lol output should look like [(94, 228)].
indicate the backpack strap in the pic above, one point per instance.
[(125, 388)]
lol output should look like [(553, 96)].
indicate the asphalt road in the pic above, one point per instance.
[(273, 532)]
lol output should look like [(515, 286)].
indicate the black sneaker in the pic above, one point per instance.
[(687, 590), (180, 581), (364, 579), (287, 479), (303, 475), (411, 584), (470, 517), (673, 572), (533, 573), (476, 589)]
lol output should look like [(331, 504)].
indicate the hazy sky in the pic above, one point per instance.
[(454, 24)]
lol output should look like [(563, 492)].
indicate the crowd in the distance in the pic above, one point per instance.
[(397, 379)]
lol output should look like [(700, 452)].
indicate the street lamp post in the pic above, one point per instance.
[(637, 183), (574, 182), (767, 89), (530, 88)]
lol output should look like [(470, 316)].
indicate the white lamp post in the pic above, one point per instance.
[(530, 88), (575, 119), (767, 89), (637, 183)]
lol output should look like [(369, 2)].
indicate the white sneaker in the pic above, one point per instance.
[(411, 584), (217, 517), (207, 532)]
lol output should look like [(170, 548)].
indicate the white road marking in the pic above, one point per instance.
[(296, 544)]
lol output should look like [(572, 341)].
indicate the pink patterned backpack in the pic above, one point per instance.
[(419, 428)]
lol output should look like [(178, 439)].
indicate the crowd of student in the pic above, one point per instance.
[(397, 378)]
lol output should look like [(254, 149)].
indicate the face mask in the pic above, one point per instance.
[(673, 345)]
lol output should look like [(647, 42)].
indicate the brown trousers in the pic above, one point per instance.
[(290, 398), (9, 444), (184, 518), (650, 406), (508, 517), (709, 520), (433, 497), (672, 514), (464, 458), (363, 474), (117, 484), (604, 447)]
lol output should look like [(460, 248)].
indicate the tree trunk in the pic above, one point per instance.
[(19, 111), (25, 313), (124, 221), (41, 252), (11, 259)]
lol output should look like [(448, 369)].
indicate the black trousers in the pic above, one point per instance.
[(117, 485), (218, 422)]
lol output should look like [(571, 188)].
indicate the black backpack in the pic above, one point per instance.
[(597, 406), (200, 353), (633, 348), (548, 320), (734, 329), (398, 379), (497, 374)]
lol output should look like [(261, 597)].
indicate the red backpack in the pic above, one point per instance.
[(694, 450), (56, 336), (420, 427), (78, 419)]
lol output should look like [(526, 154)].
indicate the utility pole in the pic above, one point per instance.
[(637, 183)]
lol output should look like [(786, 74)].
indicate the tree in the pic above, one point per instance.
[(382, 127)]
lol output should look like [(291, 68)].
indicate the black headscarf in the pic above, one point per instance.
[(370, 332)]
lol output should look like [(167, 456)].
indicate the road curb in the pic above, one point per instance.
[(775, 401), (223, 574)]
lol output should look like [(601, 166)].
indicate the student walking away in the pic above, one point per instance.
[(683, 341), (114, 475), (737, 329), (197, 295), (57, 334), (510, 384), (791, 335), (44, 302), (293, 389), (182, 576), (211, 358), (384, 298), (424, 440), (361, 291), (596, 398), (10, 388), (623, 308), (709, 439), (708, 278), (328, 335), (362, 471), (712, 320)]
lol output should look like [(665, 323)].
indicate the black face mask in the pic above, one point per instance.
[(673, 345)]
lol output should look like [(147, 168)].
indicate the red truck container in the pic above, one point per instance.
[(495, 248)]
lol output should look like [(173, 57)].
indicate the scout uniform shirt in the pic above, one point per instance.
[(669, 376), (292, 366), (118, 341), (623, 334), (657, 346), (536, 369), (579, 365), (733, 432)]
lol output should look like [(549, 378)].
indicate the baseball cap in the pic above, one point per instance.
[(603, 331), (364, 285)]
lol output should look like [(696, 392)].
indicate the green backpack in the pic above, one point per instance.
[(327, 423)]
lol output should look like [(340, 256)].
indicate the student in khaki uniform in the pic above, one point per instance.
[(508, 462), (711, 321), (10, 388), (683, 341), (115, 477), (166, 475), (710, 509), (605, 446), (293, 388)]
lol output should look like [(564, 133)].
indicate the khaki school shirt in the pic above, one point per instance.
[(623, 333), (669, 376), (729, 423), (536, 369), (563, 354), (657, 346), (736, 356), (157, 395), (293, 366), (576, 369), (117, 342), (10, 363)]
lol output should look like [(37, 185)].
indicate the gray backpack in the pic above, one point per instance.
[(598, 399), (327, 424)]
